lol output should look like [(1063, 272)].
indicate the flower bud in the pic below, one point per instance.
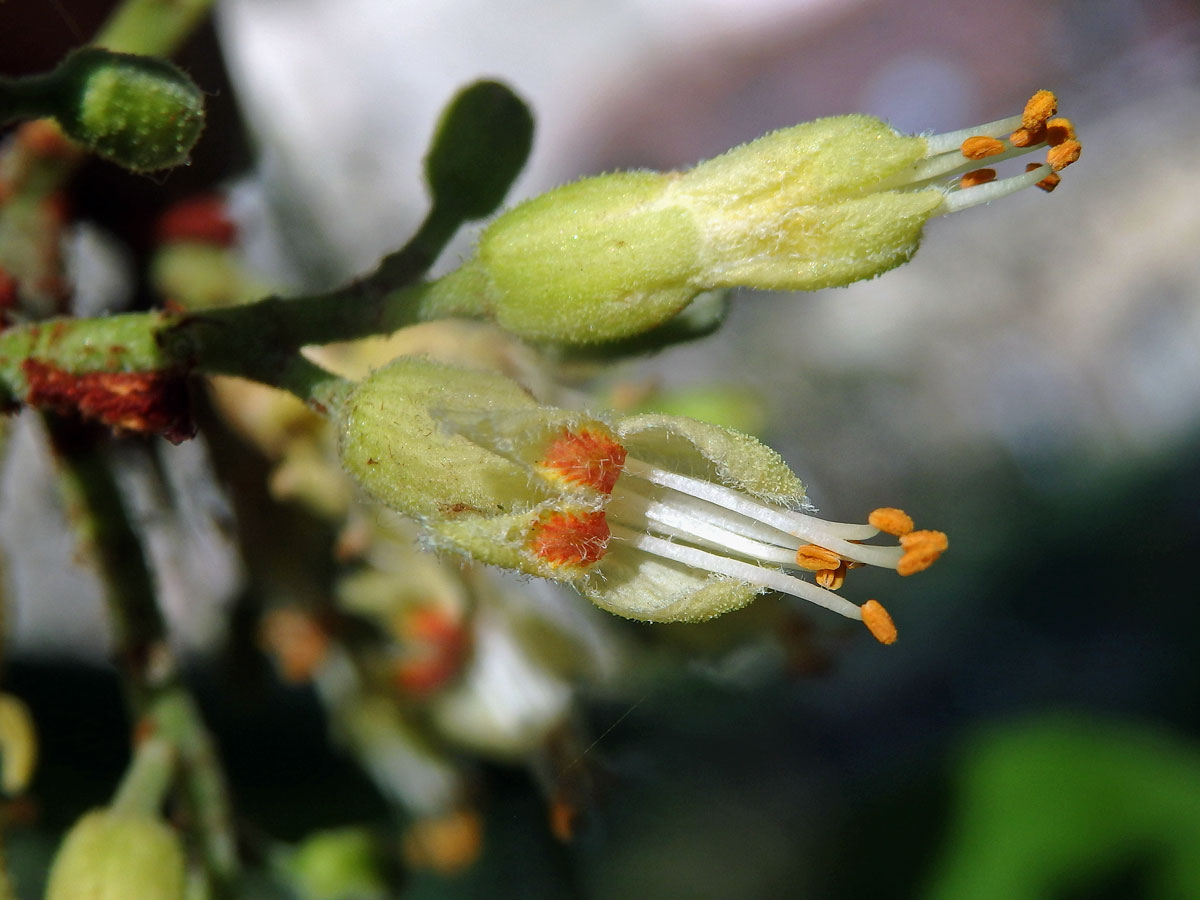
[(140, 112), (109, 855)]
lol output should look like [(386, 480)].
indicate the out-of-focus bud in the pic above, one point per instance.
[(341, 864), (111, 855), (140, 112), (18, 745)]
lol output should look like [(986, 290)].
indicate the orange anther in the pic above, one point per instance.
[(978, 176), (890, 520), (1059, 129), (832, 579), (980, 147), (1063, 155), (878, 622), (921, 550), (814, 558), (1047, 184), (1040, 107), (1027, 137)]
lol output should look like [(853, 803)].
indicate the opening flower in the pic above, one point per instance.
[(816, 205), (662, 518), (652, 517)]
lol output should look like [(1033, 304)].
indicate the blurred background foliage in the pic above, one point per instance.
[(1031, 382)]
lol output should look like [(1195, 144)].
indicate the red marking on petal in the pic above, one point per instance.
[(570, 538), (587, 458)]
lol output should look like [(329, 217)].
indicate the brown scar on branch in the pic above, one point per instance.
[(142, 402)]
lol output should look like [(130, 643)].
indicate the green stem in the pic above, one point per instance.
[(31, 97), (145, 784), (98, 512), (156, 694), (259, 341), (151, 27), (176, 718)]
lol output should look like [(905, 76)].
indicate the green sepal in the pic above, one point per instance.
[(691, 447), (392, 445), (592, 261), (639, 585)]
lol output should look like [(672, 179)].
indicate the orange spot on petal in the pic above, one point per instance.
[(575, 539), (586, 458)]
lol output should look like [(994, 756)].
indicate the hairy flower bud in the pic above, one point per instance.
[(140, 112), (111, 855)]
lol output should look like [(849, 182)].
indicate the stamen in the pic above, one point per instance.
[(812, 558), (723, 565), (976, 177), (979, 146), (635, 509), (891, 521), (937, 144), (1063, 155), (805, 527), (1047, 184), (878, 622), (985, 193), (921, 550)]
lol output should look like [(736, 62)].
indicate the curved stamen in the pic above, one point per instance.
[(751, 574)]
